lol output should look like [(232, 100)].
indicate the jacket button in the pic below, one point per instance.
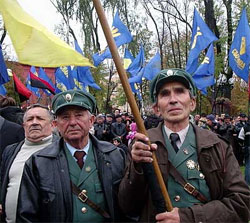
[(84, 210), (177, 198), (202, 176)]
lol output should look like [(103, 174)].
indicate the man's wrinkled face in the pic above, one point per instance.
[(37, 124), (174, 103), (74, 123)]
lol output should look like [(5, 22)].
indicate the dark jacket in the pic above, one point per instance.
[(230, 196), (10, 133), (118, 129), (45, 194), (13, 114), (8, 158)]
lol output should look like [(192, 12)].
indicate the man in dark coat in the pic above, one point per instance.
[(75, 179), (10, 133), (118, 128), (199, 169), (100, 128)]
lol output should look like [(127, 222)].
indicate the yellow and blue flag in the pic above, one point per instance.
[(121, 36), (64, 79), (33, 43), (239, 54), (202, 36), (84, 74), (204, 75), (128, 59), (4, 77)]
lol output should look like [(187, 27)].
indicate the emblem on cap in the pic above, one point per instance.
[(190, 164), (68, 97), (170, 72)]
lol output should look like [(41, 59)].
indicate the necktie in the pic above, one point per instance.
[(174, 137), (79, 156)]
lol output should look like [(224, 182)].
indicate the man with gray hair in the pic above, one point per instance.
[(199, 169), (76, 178), (37, 123)]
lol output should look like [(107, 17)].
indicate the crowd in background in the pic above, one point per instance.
[(119, 128)]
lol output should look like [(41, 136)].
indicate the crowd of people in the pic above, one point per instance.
[(68, 164)]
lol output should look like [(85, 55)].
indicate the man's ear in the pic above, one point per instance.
[(156, 109), (54, 123), (192, 104)]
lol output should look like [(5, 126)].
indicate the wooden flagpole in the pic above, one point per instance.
[(129, 95)]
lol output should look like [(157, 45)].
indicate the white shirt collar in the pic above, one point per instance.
[(182, 134), (73, 149)]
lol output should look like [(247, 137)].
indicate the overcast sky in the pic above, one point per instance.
[(43, 11)]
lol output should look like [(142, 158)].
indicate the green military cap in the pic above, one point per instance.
[(169, 75), (74, 97)]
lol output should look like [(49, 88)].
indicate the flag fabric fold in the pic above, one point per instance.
[(121, 36), (62, 81), (4, 77), (42, 74), (239, 54), (137, 64), (153, 67), (204, 75), (3, 90), (23, 92), (202, 36), (33, 43)]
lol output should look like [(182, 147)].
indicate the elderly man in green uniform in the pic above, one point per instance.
[(75, 179), (201, 174)]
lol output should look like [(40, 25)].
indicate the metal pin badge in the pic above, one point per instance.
[(185, 151), (88, 169), (190, 164)]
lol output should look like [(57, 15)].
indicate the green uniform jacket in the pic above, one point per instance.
[(230, 196)]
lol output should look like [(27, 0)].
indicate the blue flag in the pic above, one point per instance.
[(138, 63), (44, 76), (62, 81), (153, 67), (128, 59), (78, 85), (239, 55), (3, 90), (28, 85), (84, 74), (121, 36), (204, 75), (4, 77), (137, 78), (202, 36), (136, 90)]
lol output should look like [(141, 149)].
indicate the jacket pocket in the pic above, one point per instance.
[(99, 193), (48, 195)]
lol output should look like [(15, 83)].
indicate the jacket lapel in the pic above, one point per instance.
[(88, 168), (187, 149)]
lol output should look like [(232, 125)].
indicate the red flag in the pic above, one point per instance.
[(23, 92), (40, 83)]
